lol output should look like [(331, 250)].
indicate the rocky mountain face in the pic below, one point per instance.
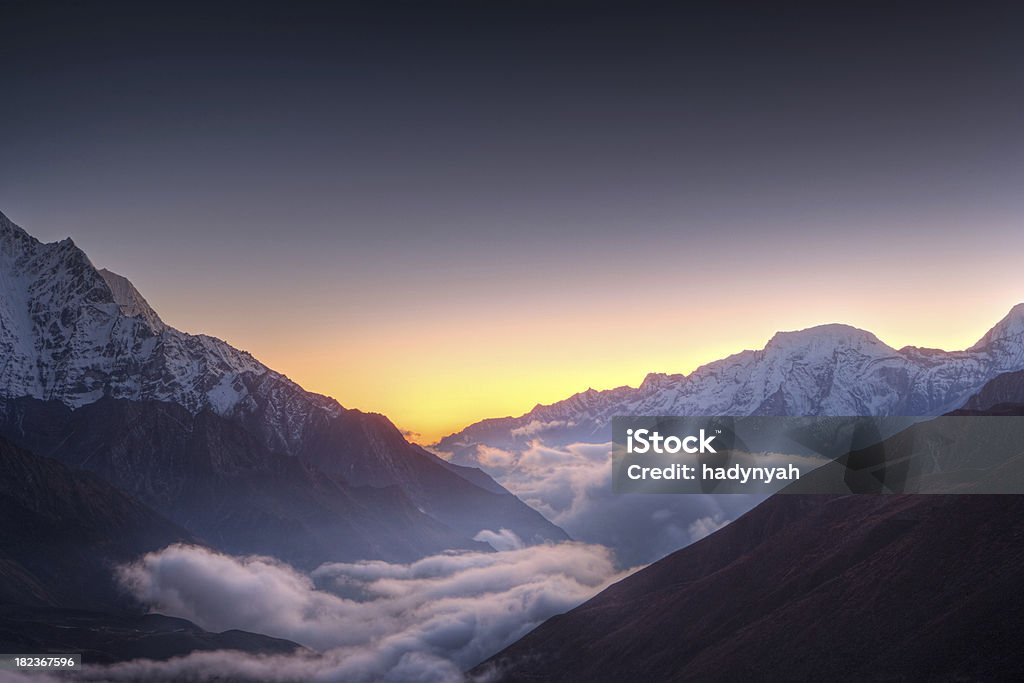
[(71, 333), (826, 370), (170, 417), (817, 587)]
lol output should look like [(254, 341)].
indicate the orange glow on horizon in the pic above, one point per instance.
[(437, 350), (443, 379)]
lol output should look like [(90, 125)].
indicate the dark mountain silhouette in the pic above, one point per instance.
[(62, 532), (106, 637), (808, 588), (367, 449), (1000, 395)]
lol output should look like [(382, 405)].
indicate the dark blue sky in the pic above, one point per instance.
[(438, 167), (496, 121)]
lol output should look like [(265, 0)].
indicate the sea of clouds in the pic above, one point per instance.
[(424, 622)]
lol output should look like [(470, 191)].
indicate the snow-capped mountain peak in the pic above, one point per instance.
[(76, 334), (1009, 329), (829, 337), (11, 231)]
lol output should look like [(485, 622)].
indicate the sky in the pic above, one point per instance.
[(450, 211)]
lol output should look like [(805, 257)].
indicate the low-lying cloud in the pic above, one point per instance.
[(534, 427), (365, 621), (503, 539), (571, 486)]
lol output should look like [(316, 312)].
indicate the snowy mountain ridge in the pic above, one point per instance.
[(130, 300), (72, 333), (826, 370)]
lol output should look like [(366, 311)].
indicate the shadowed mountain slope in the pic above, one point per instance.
[(808, 588), (214, 478)]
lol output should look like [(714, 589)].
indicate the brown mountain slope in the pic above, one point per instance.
[(809, 588)]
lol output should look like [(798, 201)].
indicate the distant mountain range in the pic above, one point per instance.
[(826, 370), (205, 434)]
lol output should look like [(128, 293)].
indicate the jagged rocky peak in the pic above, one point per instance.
[(130, 301), (1010, 328), (657, 380), (76, 334), (15, 245), (9, 231)]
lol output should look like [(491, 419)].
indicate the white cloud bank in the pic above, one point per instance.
[(367, 621), (571, 485), (504, 539)]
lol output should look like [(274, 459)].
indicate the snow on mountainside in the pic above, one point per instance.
[(825, 370), (75, 334), (130, 301), (1006, 335)]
